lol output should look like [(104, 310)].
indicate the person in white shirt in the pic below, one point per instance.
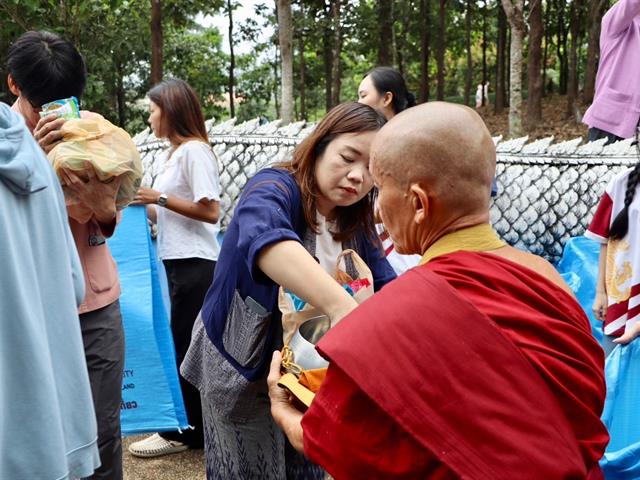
[(187, 193)]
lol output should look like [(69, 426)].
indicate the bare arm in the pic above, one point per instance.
[(205, 210), (288, 264), (152, 213)]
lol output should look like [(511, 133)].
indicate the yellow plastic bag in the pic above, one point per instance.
[(108, 148)]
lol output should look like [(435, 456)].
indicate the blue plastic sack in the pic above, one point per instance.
[(579, 268), (622, 413), (151, 395)]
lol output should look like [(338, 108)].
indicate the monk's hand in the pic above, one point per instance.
[(95, 194), (47, 132), (146, 196), (600, 306), (280, 398), (629, 334), (286, 416)]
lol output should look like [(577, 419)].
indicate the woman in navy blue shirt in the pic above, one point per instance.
[(314, 205)]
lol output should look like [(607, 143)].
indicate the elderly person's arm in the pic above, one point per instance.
[(284, 414), (620, 17)]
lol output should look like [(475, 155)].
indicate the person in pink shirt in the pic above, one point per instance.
[(43, 67), (615, 111)]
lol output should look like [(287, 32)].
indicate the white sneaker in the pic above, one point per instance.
[(156, 446)]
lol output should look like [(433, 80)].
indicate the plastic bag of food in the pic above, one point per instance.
[(109, 149)]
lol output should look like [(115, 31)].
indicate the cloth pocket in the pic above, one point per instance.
[(232, 395), (245, 332)]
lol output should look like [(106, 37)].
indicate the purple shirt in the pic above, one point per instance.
[(616, 105)]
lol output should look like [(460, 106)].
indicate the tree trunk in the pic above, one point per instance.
[(401, 45), (336, 66), (442, 25), (156, 42), (545, 54), (232, 63), (596, 11), (561, 46), (534, 73), (515, 15), (485, 80), (327, 51), (501, 90), (285, 37), (303, 74), (469, 76), (572, 80), (274, 65), (425, 38), (385, 20), (120, 97)]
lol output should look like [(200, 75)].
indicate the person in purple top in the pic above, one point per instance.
[(616, 106)]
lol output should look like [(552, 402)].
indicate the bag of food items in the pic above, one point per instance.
[(304, 325), (109, 149)]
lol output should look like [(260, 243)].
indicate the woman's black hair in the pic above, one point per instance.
[(46, 67), (386, 79), (620, 225)]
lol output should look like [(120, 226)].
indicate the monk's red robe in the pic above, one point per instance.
[(470, 366)]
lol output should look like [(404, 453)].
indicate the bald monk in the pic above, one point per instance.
[(478, 363)]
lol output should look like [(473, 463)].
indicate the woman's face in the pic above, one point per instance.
[(155, 115), (369, 95), (342, 171)]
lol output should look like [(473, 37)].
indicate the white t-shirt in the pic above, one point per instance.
[(191, 173)]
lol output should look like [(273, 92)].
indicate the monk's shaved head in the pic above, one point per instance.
[(444, 146)]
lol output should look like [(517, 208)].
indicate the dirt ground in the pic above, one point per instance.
[(187, 465), (554, 120)]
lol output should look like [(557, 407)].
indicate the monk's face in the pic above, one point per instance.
[(397, 212)]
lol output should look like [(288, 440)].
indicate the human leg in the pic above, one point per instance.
[(103, 339)]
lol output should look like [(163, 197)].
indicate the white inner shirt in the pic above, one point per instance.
[(327, 249)]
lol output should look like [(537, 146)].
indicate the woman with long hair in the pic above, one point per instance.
[(616, 226), (384, 89), (187, 196), (314, 205)]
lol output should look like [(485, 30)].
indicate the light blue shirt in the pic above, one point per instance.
[(47, 416)]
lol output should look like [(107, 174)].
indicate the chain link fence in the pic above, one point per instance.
[(547, 192)]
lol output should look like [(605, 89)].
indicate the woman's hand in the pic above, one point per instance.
[(98, 196), (600, 306), (285, 415), (146, 196)]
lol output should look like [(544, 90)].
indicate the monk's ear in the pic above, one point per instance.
[(419, 202), (13, 88)]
